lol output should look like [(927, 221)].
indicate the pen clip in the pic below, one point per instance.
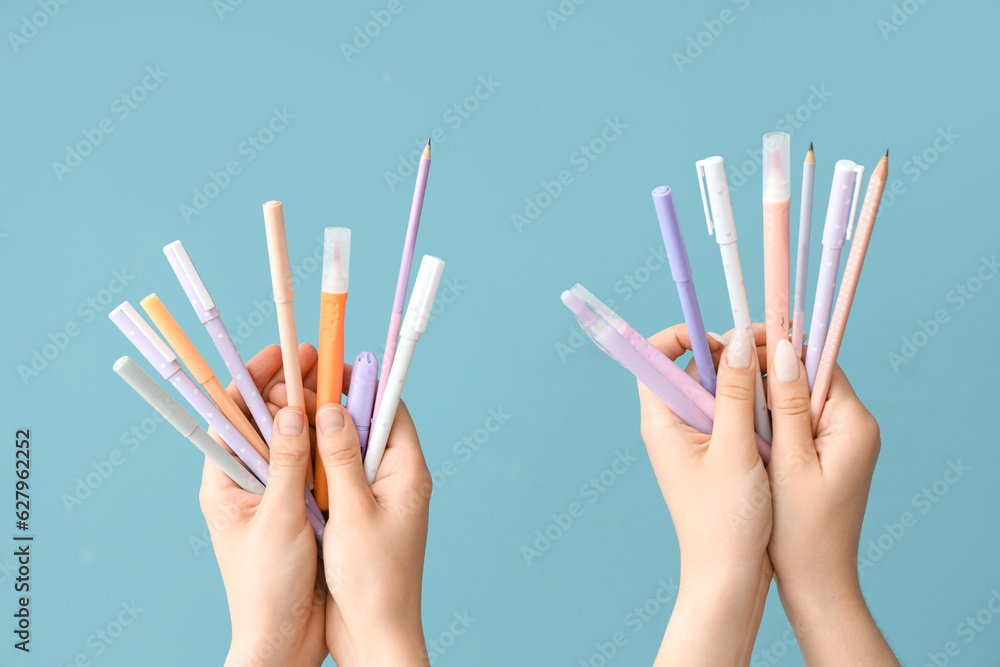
[(859, 171), (700, 167)]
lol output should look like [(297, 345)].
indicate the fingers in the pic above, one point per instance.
[(339, 449), (307, 360), (262, 367), (734, 395), (290, 457), (279, 397), (790, 418), (402, 450)]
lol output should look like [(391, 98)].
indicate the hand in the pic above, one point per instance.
[(265, 546), (716, 488), (820, 488), (373, 548)]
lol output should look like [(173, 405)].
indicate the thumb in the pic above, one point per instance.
[(733, 430), (789, 390), (340, 450), (286, 471)]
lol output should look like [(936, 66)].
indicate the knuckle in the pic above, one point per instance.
[(791, 406), (343, 456), (734, 391), (289, 458)]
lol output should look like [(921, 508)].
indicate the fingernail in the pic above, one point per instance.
[(786, 366), (290, 422), (718, 337), (330, 421), (738, 351)]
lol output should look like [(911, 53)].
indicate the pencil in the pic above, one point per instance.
[(802, 259)]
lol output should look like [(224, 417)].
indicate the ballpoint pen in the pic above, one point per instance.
[(330, 362), (361, 395), (185, 424), (680, 269), (712, 175), (162, 358), (423, 169), (418, 311), (802, 258), (777, 198), (848, 287), (846, 181), (201, 371), (691, 402), (208, 314)]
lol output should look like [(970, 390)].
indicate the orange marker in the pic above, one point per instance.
[(201, 371), (333, 302)]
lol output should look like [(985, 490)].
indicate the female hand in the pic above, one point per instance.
[(820, 489), (265, 546), (373, 548), (716, 489)]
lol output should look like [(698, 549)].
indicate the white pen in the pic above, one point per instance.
[(418, 310), (712, 175), (185, 424)]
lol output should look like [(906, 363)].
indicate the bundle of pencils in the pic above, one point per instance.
[(372, 400), (694, 401)]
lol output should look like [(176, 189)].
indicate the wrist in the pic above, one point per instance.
[(261, 653), (387, 644)]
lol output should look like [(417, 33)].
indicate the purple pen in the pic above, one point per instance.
[(680, 269), (846, 182), (164, 361), (361, 395), (208, 313)]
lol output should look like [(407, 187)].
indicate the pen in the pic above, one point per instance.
[(691, 402), (846, 180), (680, 269), (802, 259), (414, 324), (404, 272), (208, 314), (361, 395), (162, 358), (777, 198), (200, 370), (330, 363), (185, 424), (712, 174), (848, 287)]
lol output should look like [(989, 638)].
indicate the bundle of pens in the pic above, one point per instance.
[(371, 404), (692, 401)]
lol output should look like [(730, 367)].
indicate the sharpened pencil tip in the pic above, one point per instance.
[(886, 153), (426, 155), (810, 145)]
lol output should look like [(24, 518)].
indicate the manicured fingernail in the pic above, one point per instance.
[(330, 421), (786, 366), (738, 350), (718, 337), (290, 422)]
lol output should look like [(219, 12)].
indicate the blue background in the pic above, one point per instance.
[(497, 344)]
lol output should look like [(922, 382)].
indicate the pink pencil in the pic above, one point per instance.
[(404, 273)]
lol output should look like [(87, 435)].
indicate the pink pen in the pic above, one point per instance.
[(777, 198), (396, 319), (164, 361)]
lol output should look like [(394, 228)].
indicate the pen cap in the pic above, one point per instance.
[(144, 338), (418, 310), (777, 166), (154, 394), (192, 283), (666, 213), (185, 349), (277, 252), (715, 195), (838, 210), (336, 259)]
